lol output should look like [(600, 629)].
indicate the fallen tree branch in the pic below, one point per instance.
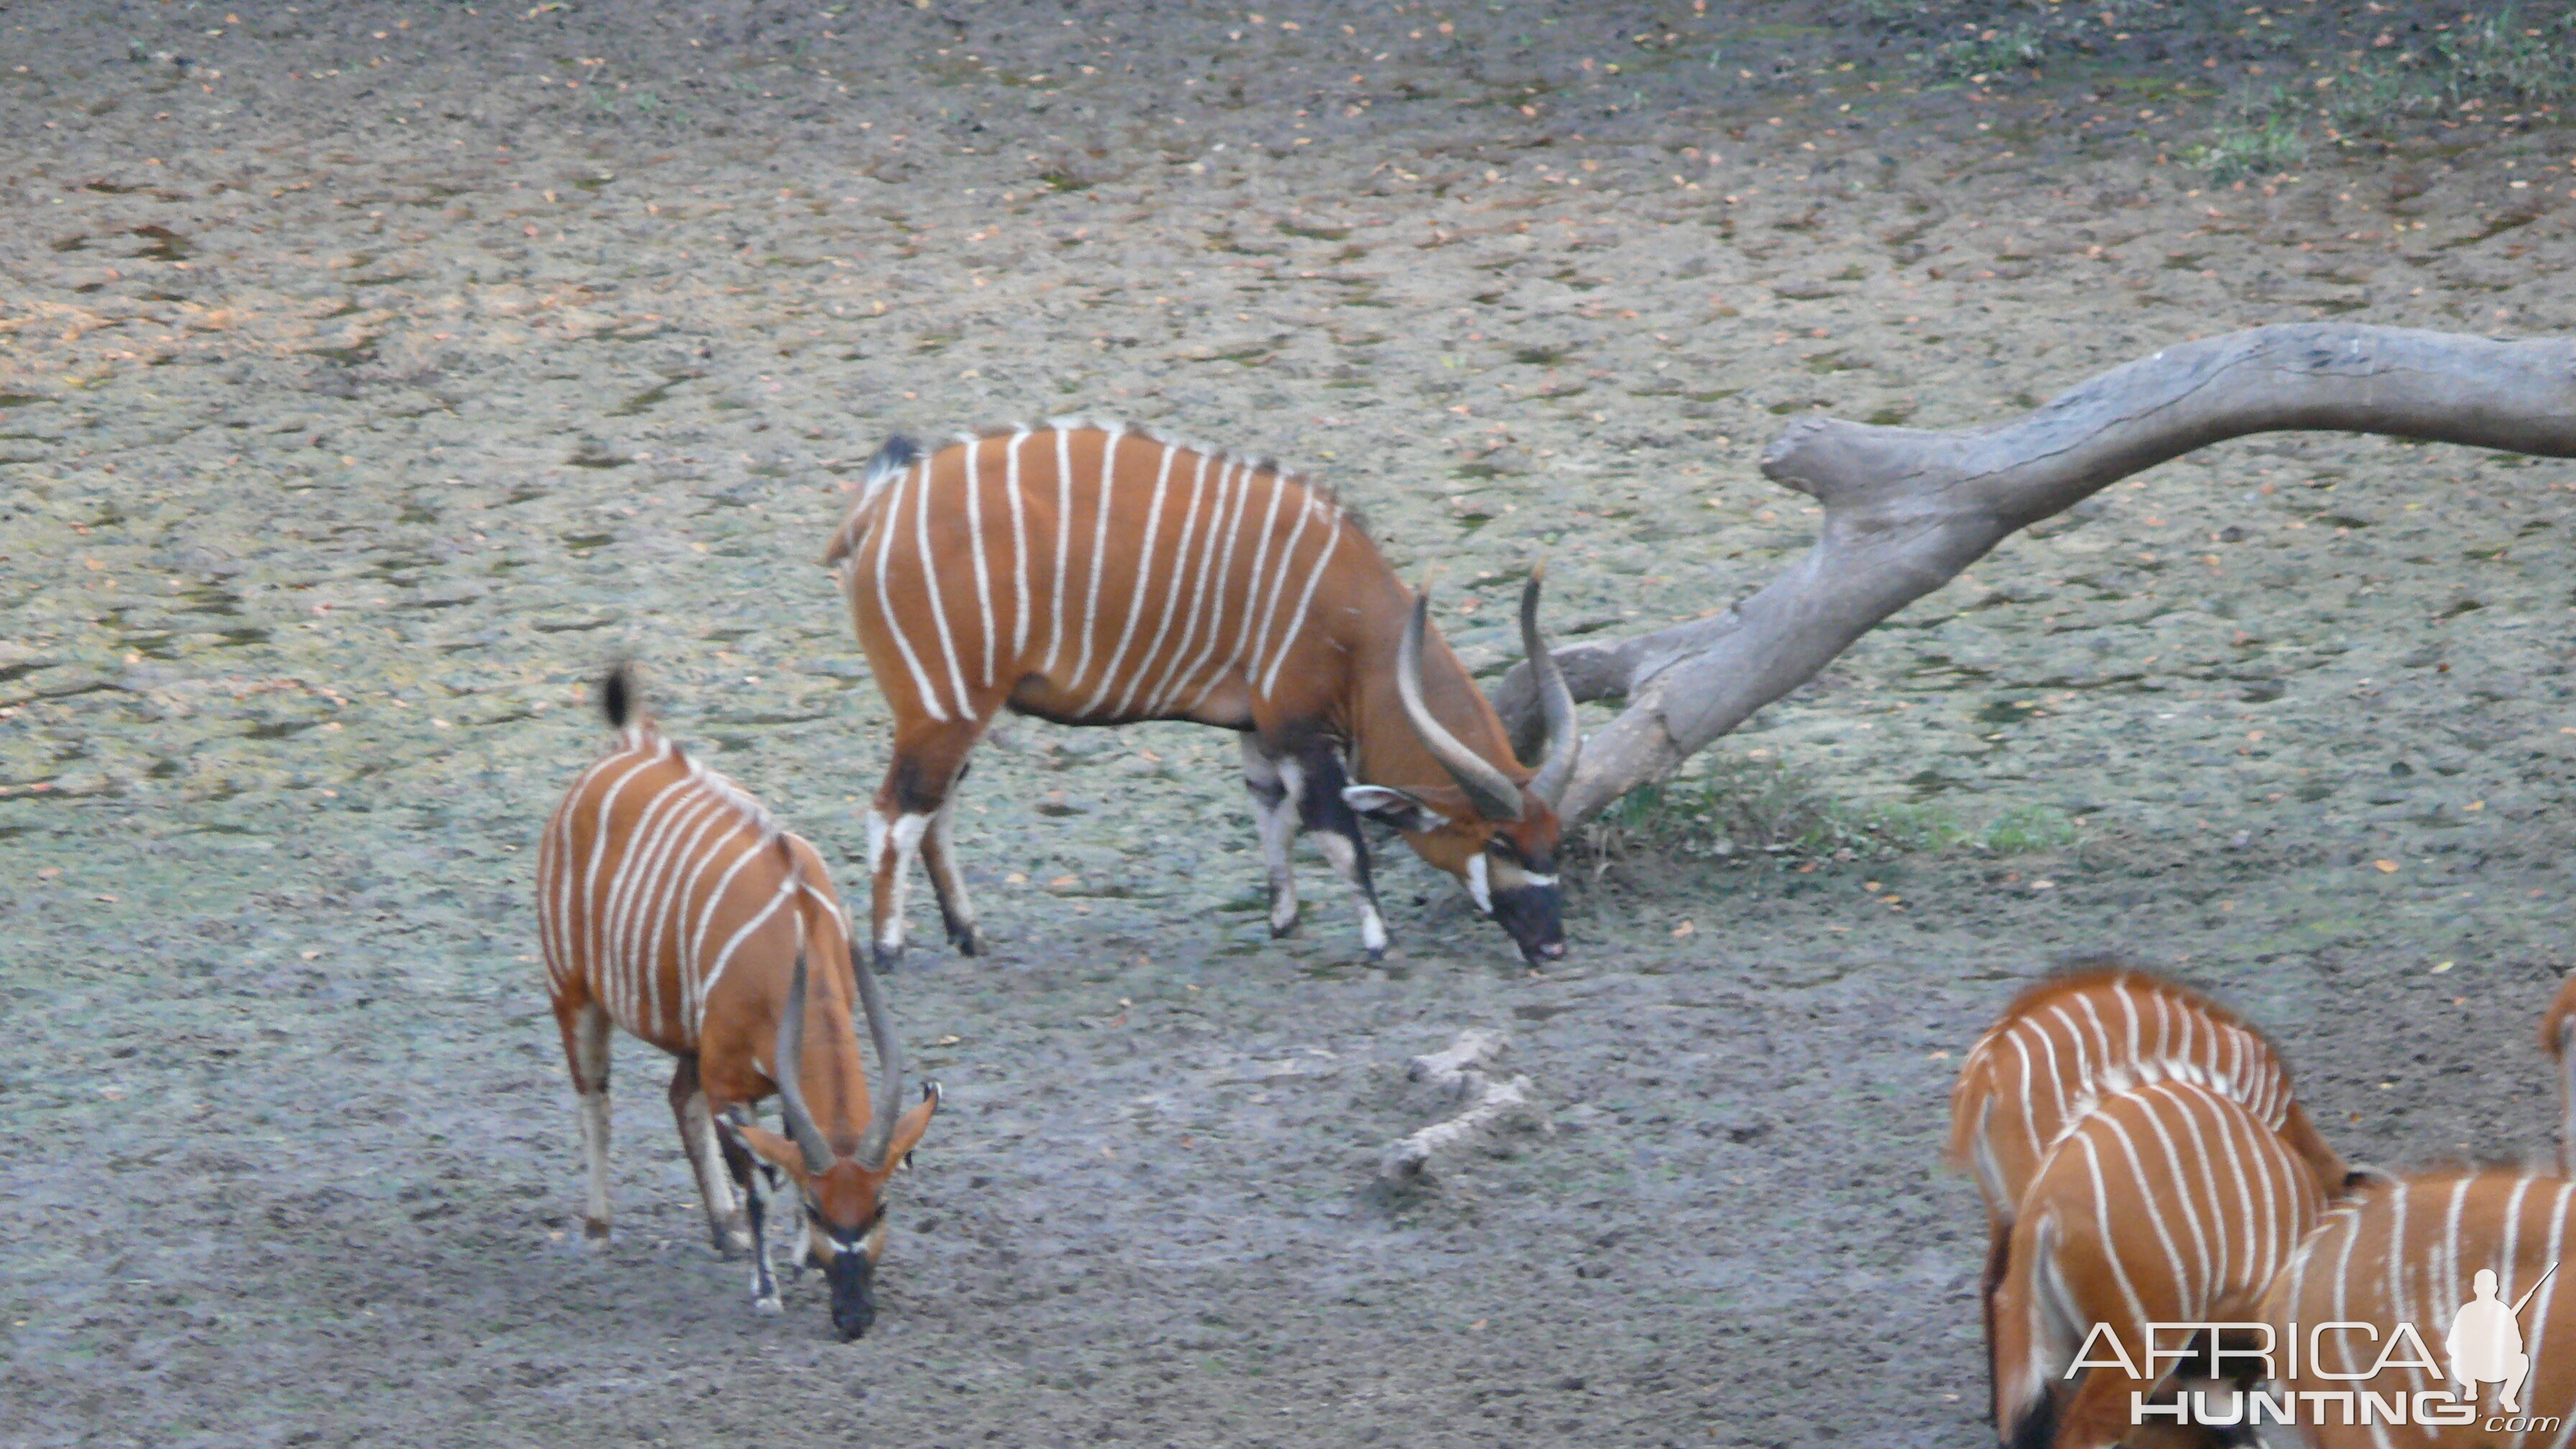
[(1906, 509), (1492, 1106)]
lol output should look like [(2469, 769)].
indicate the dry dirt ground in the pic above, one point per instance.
[(374, 373)]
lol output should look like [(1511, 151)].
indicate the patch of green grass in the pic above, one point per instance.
[(1996, 48), (1746, 807), (1743, 809), (2259, 136), (2029, 830), (2511, 56), (1898, 12), (2368, 99), (2514, 57)]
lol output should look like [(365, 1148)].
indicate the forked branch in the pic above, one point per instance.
[(1906, 509)]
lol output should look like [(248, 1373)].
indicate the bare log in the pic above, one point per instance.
[(1491, 1106), (1906, 509)]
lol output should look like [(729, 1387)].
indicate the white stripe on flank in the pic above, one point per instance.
[(1252, 577), (639, 855), (983, 565), (2153, 1211), (673, 924), (1219, 597), (724, 957), (1137, 688), (2446, 1266), (2102, 1215), (709, 974), (1019, 545), (596, 946), (563, 956), (1278, 581), (1297, 621), (937, 601), (1150, 545), (885, 605), (1184, 661), (2559, 1213), (670, 917), (1063, 542), (1100, 507), (2177, 1181)]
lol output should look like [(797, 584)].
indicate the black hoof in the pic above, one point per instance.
[(968, 941), (1279, 932), (887, 959)]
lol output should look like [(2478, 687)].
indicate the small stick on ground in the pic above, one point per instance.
[(1491, 1107)]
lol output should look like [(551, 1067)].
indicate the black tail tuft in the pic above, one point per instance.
[(898, 454), (617, 696)]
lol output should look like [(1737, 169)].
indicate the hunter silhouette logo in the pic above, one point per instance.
[(2485, 1342)]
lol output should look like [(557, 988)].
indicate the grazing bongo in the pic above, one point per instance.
[(2558, 1038), (2101, 1026), (1091, 575), (2463, 1256), (2167, 1202), (673, 906)]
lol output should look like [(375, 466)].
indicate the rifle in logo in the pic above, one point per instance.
[(2485, 1342)]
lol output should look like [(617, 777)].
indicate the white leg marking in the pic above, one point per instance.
[(905, 840), (764, 1284), (1345, 859), (590, 1075), (1277, 824), (594, 1151), (706, 1159)]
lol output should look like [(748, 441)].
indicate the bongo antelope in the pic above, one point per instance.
[(2558, 1038), (673, 906), (2410, 1251), (1092, 575), (2168, 1202), (2097, 1027)]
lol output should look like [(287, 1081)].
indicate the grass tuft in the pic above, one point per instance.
[(1994, 49), (1742, 811)]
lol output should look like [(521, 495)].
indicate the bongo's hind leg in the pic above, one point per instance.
[(929, 755), (1274, 784), (1998, 1258), (584, 1025), (956, 912), (727, 1226)]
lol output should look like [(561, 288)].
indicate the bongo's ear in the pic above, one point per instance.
[(778, 1151), (1387, 806)]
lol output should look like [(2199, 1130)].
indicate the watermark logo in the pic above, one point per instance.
[(2485, 1342), (2483, 1345)]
